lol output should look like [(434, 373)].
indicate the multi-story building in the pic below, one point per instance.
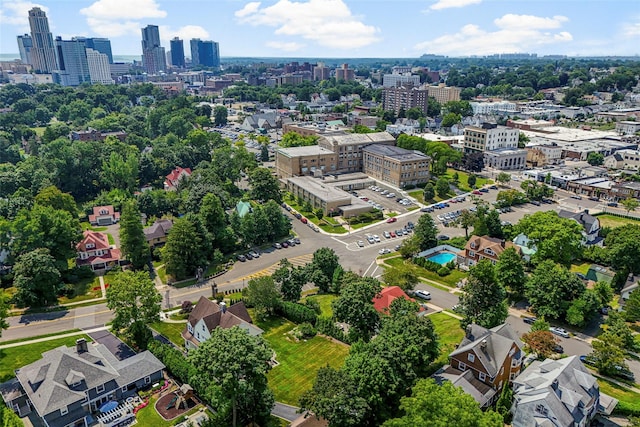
[(73, 67), (321, 72), (25, 44), (95, 251), (405, 97), (506, 159), (326, 195), (204, 53), (443, 93), (153, 56), (44, 51), (298, 161), (345, 73), (483, 247), (493, 107), (395, 165), (177, 52), (542, 155), (489, 137), (101, 45), (393, 80), (348, 148), (99, 67), (627, 127)]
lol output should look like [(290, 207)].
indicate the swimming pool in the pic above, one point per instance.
[(442, 258)]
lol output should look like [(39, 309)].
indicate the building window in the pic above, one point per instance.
[(462, 366), (482, 376), (147, 380), (100, 388), (471, 357), (124, 389)]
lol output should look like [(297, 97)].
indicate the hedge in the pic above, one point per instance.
[(328, 327), (296, 313)]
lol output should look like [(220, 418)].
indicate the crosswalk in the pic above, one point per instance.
[(295, 261)]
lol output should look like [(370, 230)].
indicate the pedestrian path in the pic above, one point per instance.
[(103, 289), (53, 337)]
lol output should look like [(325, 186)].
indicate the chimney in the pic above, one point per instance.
[(223, 307), (81, 346), (468, 332), (483, 345)]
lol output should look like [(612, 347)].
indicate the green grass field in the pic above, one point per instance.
[(170, 330), (449, 334), (629, 401), (613, 221), (17, 357), (449, 281), (298, 361), (325, 303), (580, 268)]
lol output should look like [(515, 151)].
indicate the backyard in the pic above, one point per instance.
[(613, 221), (448, 281), (449, 334), (325, 301), (629, 401), (170, 330)]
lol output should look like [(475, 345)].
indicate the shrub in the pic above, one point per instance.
[(443, 271), (186, 307), (305, 330), (297, 313), (313, 304), (328, 327)]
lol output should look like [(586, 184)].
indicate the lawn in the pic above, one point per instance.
[(335, 229), (148, 416), (86, 226), (613, 221), (170, 330), (298, 361), (449, 334), (450, 280), (462, 179), (580, 268), (629, 401), (83, 290), (325, 301), (17, 357)]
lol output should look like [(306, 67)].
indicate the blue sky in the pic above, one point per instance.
[(347, 28)]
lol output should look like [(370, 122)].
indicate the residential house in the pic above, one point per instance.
[(157, 233), (172, 180), (104, 215), (630, 285), (590, 225), (69, 384), (600, 273), (483, 247), (558, 393), (208, 315), (256, 122), (382, 301), (527, 247), (485, 361), (95, 251)]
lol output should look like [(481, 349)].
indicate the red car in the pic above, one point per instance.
[(390, 220), (393, 233), (477, 192), (304, 220)]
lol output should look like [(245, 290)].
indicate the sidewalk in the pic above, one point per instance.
[(54, 337)]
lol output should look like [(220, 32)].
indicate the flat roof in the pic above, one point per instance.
[(359, 138), (310, 150), (505, 151), (320, 189), (559, 133), (394, 152)]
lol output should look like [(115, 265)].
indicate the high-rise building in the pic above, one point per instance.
[(101, 45), (153, 56), (204, 53), (177, 52), (404, 97), (99, 68), (345, 73), (321, 72), (73, 68), (25, 44), (43, 53)]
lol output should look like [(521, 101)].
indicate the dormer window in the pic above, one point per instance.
[(100, 388), (473, 245), (104, 212), (541, 409), (471, 357), (489, 251), (90, 246)]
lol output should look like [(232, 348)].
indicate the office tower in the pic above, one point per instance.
[(99, 68), (204, 53), (25, 44), (101, 45), (73, 68), (177, 52), (43, 53), (153, 56)]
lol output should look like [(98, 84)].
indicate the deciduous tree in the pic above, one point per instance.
[(262, 294), (483, 300), (425, 233), (551, 288), (404, 276), (557, 239), (36, 278), (264, 186), (182, 254), (355, 307), (510, 272), (429, 192), (540, 342)]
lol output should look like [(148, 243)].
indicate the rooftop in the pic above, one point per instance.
[(310, 150), (394, 152), (321, 189)]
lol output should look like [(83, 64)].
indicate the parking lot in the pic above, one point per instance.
[(384, 198)]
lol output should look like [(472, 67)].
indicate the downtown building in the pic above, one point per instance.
[(73, 67), (204, 53), (25, 45), (177, 53), (153, 55), (43, 52)]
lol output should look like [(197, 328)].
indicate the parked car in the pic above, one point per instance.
[(559, 331), (588, 360), (410, 225), (484, 190), (624, 373), (594, 199), (558, 349), (426, 295), (386, 234), (277, 245), (576, 196), (254, 254), (376, 238), (493, 187), (384, 251), (529, 320), (392, 233), (442, 237), (241, 258), (370, 239), (477, 192), (426, 209), (361, 243), (297, 240), (291, 242), (612, 204), (390, 220), (535, 202), (304, 220)]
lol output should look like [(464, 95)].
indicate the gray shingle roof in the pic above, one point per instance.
[(582, 218)]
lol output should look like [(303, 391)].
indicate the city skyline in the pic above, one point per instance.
[(345, 28)]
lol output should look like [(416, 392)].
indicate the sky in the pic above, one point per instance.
[(346, 28)]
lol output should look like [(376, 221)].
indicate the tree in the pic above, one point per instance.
[(36, 278), (471, 180), (443, 405), (133, 298), (182, 254), (551, 288), (510, 272), (355, 307), (630, 204), (429, 192), (132, 239), (583, 309), (503, 178), (409, 247), (632, 306), (465, 220), (473, 162), (334, 397), (285, 278), (52, 197), (608, 354), (326, 261), (264, 153), (262, 294), (220, 116), (616, 325), (237, 364), (483, 300), (426, 233), (504, 403), (4, 311), (557, 239), (442, 187), (264, 186), (541, 342), (623, 245), (595, 159), (450, 119), (213, 218), (404, 276), (540, 325)]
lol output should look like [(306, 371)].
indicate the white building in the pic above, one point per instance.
[(489, 137), (627, 127), (623, 159), (493, 107), (393, 80), (99, 67)]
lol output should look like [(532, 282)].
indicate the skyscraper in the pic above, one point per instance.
[(25, 44), (177, 52), (101, 45), (153, 55), (43, 53), (204, 53), (73, 67), (99, 69)]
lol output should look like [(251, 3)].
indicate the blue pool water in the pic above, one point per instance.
[(442, 258)]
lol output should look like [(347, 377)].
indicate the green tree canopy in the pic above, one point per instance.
[(551, 288), (262, 294), (132, 239), (557, 239), (182, 254), (483, 300), (36, 278), (425, 233), (52, 197), (264, 186), (510, 272), (355, 307)]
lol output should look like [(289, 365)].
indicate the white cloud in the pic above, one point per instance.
[(447, 4), (328, 23), (631, 30), (17, 13), (114, 18), (515, 33), (185, 33), (285, 46)]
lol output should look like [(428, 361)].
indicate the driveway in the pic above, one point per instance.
[(114, 230)]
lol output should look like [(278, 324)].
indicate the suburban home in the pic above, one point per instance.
[(95, 251), (172, 180), (590, 225), (485, 361), (68, 385), (527, 247), (382, 301), (630, 285), (558, 393), (157, 233), (208, 315), (600, 273), (104, 215), (483, 247)]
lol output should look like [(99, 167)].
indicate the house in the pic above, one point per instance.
[(172, 180), (157, 233), (590, 225), (630, 285), (269, 120), (104, 215), (558, 393), (208, 315), (527, 247), (95, 251), (309, 420), (483, 247), (69, 384), (599, 273), (484, 362), (382, 301)]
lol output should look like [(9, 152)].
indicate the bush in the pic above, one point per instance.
[(296, 313), (313, 304), (328, 327), (305, 330), (443, 271), (186, 307)]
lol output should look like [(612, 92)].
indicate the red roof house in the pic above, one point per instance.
[(104, 215), (173, 179), (382, 301), (95, 251)]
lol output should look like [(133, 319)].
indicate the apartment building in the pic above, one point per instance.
[(395, 165), (393, 80), (489, 137), (444, 93), (348, 148), (298, 161), (345, 73), (404, 97)]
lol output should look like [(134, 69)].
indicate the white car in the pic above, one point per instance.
[(559, 331), (361, 243), (387, 235), (426, 295), (376, 238)]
